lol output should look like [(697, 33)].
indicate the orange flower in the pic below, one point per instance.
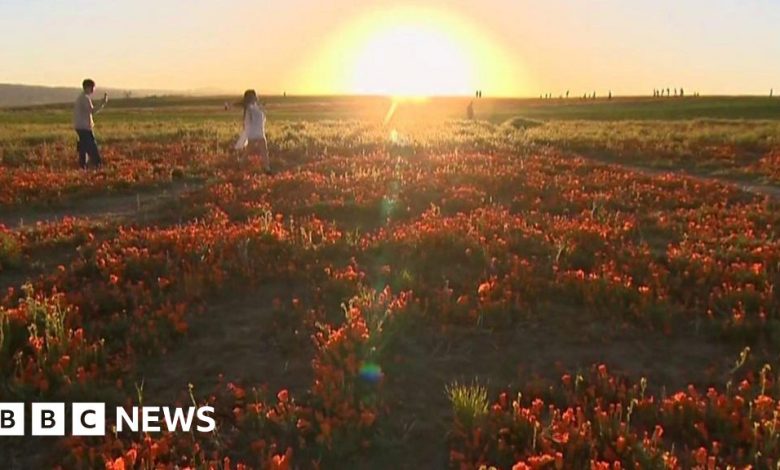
[(281, 461), (367, 418), (131, 456), (620, 445), (238, 392), (701, 456), (484, 289), (118, 464)]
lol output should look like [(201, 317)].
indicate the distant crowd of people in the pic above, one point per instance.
[(659, 92), (252, 141), (585, 96)]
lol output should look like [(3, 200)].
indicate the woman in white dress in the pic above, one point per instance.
[(253, 137)]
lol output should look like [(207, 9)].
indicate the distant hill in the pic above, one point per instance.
[(28, 95)]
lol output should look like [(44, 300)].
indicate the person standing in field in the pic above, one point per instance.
[(253, 137), (84, 124)]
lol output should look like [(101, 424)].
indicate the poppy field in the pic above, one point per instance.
[(422, 293)]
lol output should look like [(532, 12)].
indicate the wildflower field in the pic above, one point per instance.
[(582, 286)]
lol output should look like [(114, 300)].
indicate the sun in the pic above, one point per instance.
[(411, 52), (412, 59)]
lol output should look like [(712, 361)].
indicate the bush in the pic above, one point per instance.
[(10, 251), (521, 123)]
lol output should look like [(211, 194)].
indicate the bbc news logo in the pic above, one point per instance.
[(89, 419)]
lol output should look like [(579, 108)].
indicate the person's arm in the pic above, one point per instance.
[(100, 107), (242, 141)]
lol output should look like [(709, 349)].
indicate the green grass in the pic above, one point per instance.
[(345, 107), (620, 109), (469, 403), (681, 138)]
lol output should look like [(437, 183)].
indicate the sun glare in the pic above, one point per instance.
[(412, 60), (412, 52)]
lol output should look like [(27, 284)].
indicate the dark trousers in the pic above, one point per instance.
[(87, 146)]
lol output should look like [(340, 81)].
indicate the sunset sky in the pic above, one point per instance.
[(505, 47)]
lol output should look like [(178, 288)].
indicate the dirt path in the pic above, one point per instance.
[(143, 207), (752, 188), (758, 189), (100, 207), (239, 339)]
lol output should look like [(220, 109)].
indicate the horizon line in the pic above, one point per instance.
[(213, 91)]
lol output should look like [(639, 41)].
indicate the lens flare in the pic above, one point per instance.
[(371, 372)]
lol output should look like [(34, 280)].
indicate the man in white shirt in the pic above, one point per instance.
[(84, 124)]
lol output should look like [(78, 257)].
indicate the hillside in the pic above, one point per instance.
[(26, 95)]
